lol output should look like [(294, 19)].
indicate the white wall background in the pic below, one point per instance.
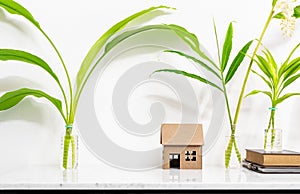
[(30, 132)]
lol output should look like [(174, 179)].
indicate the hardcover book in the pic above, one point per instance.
[(272, 158)]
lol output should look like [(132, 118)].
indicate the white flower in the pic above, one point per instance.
[(286, 7)]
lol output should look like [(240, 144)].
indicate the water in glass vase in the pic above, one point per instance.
[(273, 140)]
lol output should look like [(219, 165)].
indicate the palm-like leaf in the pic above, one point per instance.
[(18, 55), (277, 78), (286, 96), (227, 47), (190, 75), (254, 92), (12, 98), (237, 62), (203, 64)]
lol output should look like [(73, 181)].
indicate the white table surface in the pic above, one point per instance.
[(105, 177)]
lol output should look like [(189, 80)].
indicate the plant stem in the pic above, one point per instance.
[(67, 139), (250, 66), (73, 151), (67, 74), (267, 132), (232, 141)]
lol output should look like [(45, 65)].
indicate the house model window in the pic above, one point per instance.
[(190, 156), (182, 146)]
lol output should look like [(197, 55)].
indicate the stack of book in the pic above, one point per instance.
[(285, 161)]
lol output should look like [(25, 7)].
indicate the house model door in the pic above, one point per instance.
[(174, 160)]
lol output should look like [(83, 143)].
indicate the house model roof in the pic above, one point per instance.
[(181, 134)]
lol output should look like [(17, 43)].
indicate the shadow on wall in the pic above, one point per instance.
[(29, 132), (14, 23), (28, 109)]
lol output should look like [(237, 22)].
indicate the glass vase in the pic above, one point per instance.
[(232, 152), (69, 149), (273, 139)]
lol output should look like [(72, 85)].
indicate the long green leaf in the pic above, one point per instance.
[(290, 80), (227, 46), (10, 99), (237, 61), (195, 60), (15, 8), (190, 75), (18, 55), (264, 66), (254, 92), (284, 97), (279, 16), (129, 33), (103, 39), (285, 65), (293, 67), (270, 59), (263, 78), (192, 40)]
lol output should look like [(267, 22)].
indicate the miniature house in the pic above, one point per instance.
[(182, 146)]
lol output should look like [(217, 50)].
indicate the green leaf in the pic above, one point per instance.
[(195, 60), (263, 78), (271, 60), (129, 33), (237, 62), (279, 16), (284, 97), (285, 65), (15, 8), (12, 98), (87, 62), (264, 66), (192, 40), (190, 75), (227, 46), (297, 12), (254, 92), (290, 81), (17, 55), (274, 3), (217, 41), (292, 68)]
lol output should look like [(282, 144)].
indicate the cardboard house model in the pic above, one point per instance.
[(182, 146)]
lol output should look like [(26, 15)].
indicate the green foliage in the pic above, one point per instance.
[(87, 62), (12, 98), (277, 78), (23, 56)]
